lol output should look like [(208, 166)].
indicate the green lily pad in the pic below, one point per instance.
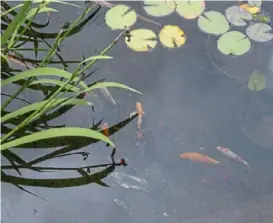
[(233, 43), (141, 40), (213, 22), (159, 8), (120, 16), (190, 9), (257, 81), (257, 3), (237, 16), (260, 32)]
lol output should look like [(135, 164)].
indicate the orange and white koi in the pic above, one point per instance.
[(105, 129), (198, 157), (232, 155), (140, 113)]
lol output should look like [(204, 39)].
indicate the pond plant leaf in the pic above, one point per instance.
[(172, 36), (257, 3), (233, 43), (190, 9), (237, 16), (251, 9), (159, 8), (213, 22), (141, 40), (257, 81), (54, 133), (260, 32), (120, 16)]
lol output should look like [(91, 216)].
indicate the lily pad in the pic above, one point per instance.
[(120, 16), (172, 36), (257, 81), (260, 32), (213, 22), (257, 3), (251, 9), (190, 9), (233, 43), (141, 40), (237, 16), (159, 8)]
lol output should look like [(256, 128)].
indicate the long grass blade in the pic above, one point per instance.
[(50, 71), (59, 132), (16, 22), (37, 105)]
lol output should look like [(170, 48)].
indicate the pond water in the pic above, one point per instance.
[(195, 99)]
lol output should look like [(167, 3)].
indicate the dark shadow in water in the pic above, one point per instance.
[(72, 144)]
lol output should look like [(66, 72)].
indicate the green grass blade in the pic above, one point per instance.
[(59, 132), (11, 9), (33, 11), (111, 84), (100, 57), (57, 1), (37, 105), (16, 22), (39, 72), (55, 82)]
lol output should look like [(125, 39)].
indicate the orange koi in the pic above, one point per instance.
[(197, 157), (105, 129), (140, 113)]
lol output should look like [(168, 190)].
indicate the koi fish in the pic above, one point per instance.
[(105, 129), (140, 113), (231, 155), (198, 158), (107, 95)]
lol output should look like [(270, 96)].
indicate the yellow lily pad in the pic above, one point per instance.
[(190, 9), (257, 81), (260, 32), (120, 16), (172, 36), (213, 22), (159, 8), (237, 16), (233, 43), (141, 40), (252, 9)]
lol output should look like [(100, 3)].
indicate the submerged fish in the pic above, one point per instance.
[(140, 113), (105, 129), (232, 155), (198, 158), (107, 95)]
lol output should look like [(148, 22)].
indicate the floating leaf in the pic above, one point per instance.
[(120, 16), (159, 8), (257, 81), (190, 9), (260, 32), (58, 132), (172, 36), (257, 3), (251, 9), (233, 43), (141, 40), (213, 22), (237, 16)]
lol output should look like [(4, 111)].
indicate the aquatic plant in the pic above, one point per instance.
[(61, 90)]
